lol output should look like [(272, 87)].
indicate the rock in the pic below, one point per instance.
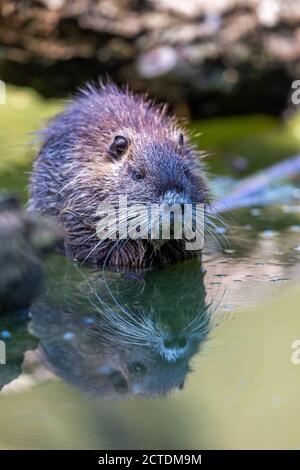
[(25, 239)]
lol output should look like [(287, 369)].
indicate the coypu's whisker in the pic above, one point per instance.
[(212, 229)]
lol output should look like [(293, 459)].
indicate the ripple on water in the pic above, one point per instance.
[(5, 334), (269, 233), (68, 335), (294, 228)]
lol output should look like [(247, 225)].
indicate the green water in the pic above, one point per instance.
[(97, 365)]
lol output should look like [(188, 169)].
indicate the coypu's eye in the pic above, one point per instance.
[(118, 147), (137, 176)]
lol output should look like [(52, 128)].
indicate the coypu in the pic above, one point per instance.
[(115, 337), (108, 143)]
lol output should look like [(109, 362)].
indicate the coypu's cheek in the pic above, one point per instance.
[(197, 189)]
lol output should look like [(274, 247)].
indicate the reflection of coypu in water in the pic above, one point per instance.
[(25, 238), (118, 337), (17, 340), (110, 143)]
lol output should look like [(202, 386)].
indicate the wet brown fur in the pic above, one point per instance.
[(73, 172)]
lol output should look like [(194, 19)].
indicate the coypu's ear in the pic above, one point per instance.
[(181, 144), (180, 140), (118, 147)]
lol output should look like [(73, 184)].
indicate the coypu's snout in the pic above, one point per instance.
[(173, 204), (174, 347), (174, 197)]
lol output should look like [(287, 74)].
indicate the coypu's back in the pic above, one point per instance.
[(108, 143)]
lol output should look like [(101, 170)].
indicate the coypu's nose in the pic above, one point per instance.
[(174, 347), (174, 197), (173, 206), (175, 342)]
